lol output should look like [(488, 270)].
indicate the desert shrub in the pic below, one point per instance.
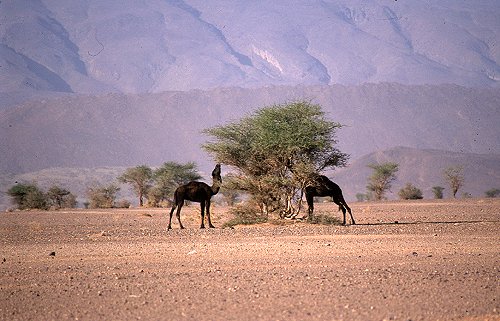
[(102, 197), (122, 204), (362, 197), (61, 198), (494, 192), (28, 196), (245, 215), (410, 192), (69, 201), (438, 192), (323, 219)]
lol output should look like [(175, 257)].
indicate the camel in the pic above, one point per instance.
[(322, 186), (196, 192)]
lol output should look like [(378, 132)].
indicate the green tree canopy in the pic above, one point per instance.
[(380, 181), (140, 178), (276, 150)]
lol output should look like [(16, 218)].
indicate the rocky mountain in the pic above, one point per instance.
[(129, 130), (92, 46)]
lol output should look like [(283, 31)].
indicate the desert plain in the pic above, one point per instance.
[(403, 260)]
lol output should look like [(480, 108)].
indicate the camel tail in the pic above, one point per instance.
[(175, 200)]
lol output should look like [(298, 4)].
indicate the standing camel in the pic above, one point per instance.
[(322, 186), (196, 192)]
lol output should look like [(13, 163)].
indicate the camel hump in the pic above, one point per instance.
[(326, 182)]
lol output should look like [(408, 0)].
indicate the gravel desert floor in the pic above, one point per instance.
[(404, 260)]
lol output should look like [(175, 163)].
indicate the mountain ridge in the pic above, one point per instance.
[(116, 129), (86, 46)]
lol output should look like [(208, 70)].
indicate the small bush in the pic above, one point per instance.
[(102, 197), (28, 196), (70, 201), (362, 197), (438, 192), (494, 192), (61, 198), (410, 192), (325, 220), (245, 215), (122, 204)]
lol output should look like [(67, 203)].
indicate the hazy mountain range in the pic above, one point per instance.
[(91, 84), (67, 140), (128, 130), (92, 46)]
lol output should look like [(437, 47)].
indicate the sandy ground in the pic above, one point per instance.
[(415, 260)]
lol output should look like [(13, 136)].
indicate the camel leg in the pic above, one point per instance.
[(344, 204), (341, 208), (350, 213), (345, 208), (208, 215), (202, 205), (344, 222), (170, 218), (310, 206), (178, 214)]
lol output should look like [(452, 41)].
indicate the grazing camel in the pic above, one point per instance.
[(196, 192), (322, 186)]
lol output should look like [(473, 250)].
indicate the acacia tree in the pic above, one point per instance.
[(276, 150), (168, 177), (140, 179), (455, 178), (380, 181), (60, 197)]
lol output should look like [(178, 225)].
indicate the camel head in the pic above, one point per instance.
[(216, 173)]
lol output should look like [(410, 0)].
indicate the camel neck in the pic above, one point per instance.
[(216, 187)]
